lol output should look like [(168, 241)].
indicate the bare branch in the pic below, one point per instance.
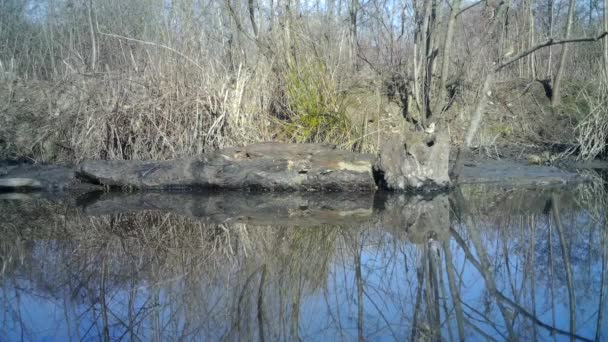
[(549, 42), (469, 7)]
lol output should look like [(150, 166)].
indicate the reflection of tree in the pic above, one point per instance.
[(566, 258), (501, 271), (514, 300), (456, 300)]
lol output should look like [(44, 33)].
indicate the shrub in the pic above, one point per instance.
[(316, 106)]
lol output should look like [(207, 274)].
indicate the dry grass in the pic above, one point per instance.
[(592, 130), (156, 114), (145, 79)]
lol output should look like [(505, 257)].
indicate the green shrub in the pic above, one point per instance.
[(317, 111)]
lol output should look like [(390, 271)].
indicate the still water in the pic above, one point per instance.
[(482, 263)]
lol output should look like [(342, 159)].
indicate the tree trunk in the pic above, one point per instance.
[(354, 9), (418, 41), (531, 43), (289, 48), (556, 98), (254, 26), (331, 9), (445, 59), (606, 37), (480, 109), (93, 61), (549, 72), (428, 58), (235, 47), (271, 20)]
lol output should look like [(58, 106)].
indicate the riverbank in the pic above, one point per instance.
[(19, 176)]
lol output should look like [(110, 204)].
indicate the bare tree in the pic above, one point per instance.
[(557, 86), (93, 61)]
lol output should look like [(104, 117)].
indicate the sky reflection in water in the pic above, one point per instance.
[(483, 263)]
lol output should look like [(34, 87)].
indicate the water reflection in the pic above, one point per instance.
[(484, 263)]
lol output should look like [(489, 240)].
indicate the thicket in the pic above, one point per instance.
[(157, 79)]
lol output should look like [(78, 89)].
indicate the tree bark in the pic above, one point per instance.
[(354, 9), (557, 86)]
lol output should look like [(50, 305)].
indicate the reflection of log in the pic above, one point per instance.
[(412, 215), (269, 166), (257, 208)]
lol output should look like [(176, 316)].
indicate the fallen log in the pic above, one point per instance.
[(266, 166)]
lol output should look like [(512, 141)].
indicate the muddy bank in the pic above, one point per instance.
[(510, 172)]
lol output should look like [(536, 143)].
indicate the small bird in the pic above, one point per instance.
[(430, 129)]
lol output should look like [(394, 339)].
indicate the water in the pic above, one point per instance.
[(484, 263)]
